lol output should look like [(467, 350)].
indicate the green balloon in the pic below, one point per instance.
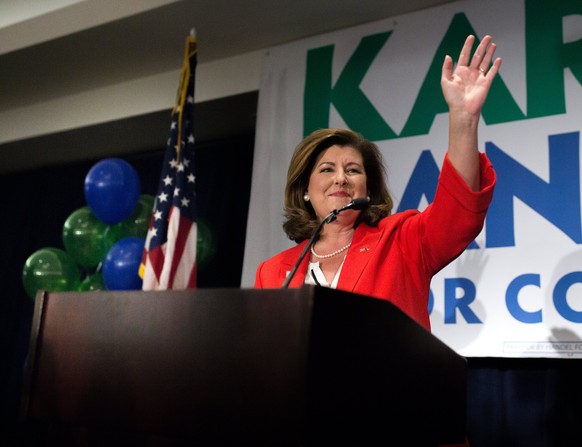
[(110, 237), (84, 237), (91, 283), (205, 243), (137, 223), (50, 269)]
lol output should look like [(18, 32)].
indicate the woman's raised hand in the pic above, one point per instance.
[(465, 86)]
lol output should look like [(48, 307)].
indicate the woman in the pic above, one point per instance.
[(372, 252)]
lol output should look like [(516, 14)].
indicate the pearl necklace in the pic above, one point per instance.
[(337, 252)]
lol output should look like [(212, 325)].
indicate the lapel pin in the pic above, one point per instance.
[(366, 248)]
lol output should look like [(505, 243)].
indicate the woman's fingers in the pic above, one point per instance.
[(494, 69), (447, 72), (482, 57), (466, 51)]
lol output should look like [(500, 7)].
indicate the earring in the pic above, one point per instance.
[(368, 198), (306, 197)]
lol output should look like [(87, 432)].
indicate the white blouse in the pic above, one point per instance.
[(316, 277)]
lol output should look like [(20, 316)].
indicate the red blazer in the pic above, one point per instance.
[(397, 259)]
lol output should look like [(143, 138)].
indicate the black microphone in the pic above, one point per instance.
[(356, 204)]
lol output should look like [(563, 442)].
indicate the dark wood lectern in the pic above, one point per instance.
[(294, 367)]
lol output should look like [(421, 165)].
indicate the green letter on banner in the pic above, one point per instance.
[(500, 106), (547, 55), (349, 100)]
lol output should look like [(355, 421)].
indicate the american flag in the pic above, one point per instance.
[(169, 257)]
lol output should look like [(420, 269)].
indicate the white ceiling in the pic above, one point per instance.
[(16, 11), (53, 48), (226, 26), (136, 41)]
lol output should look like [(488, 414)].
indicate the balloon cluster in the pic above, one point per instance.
[(103, 241)]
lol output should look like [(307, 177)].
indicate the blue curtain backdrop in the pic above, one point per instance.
[(525, 402)]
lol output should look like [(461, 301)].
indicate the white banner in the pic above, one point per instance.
[(517, 291)]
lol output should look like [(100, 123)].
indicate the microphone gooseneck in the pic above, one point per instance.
[(356, 204)]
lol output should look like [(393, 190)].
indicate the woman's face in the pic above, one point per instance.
[(337, 178)]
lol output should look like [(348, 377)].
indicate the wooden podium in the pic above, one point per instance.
[(293, 367)]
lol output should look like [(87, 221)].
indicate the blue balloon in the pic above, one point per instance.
[(112, 189), (121, 264)]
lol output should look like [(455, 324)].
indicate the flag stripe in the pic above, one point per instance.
[(169, 258), (183, 269)]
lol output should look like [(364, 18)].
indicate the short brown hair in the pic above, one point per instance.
[(300, 218)]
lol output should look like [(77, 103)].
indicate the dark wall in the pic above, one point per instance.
[(36, 204), (524, 402)]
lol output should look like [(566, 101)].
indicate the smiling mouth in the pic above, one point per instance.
[(340, 194)]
